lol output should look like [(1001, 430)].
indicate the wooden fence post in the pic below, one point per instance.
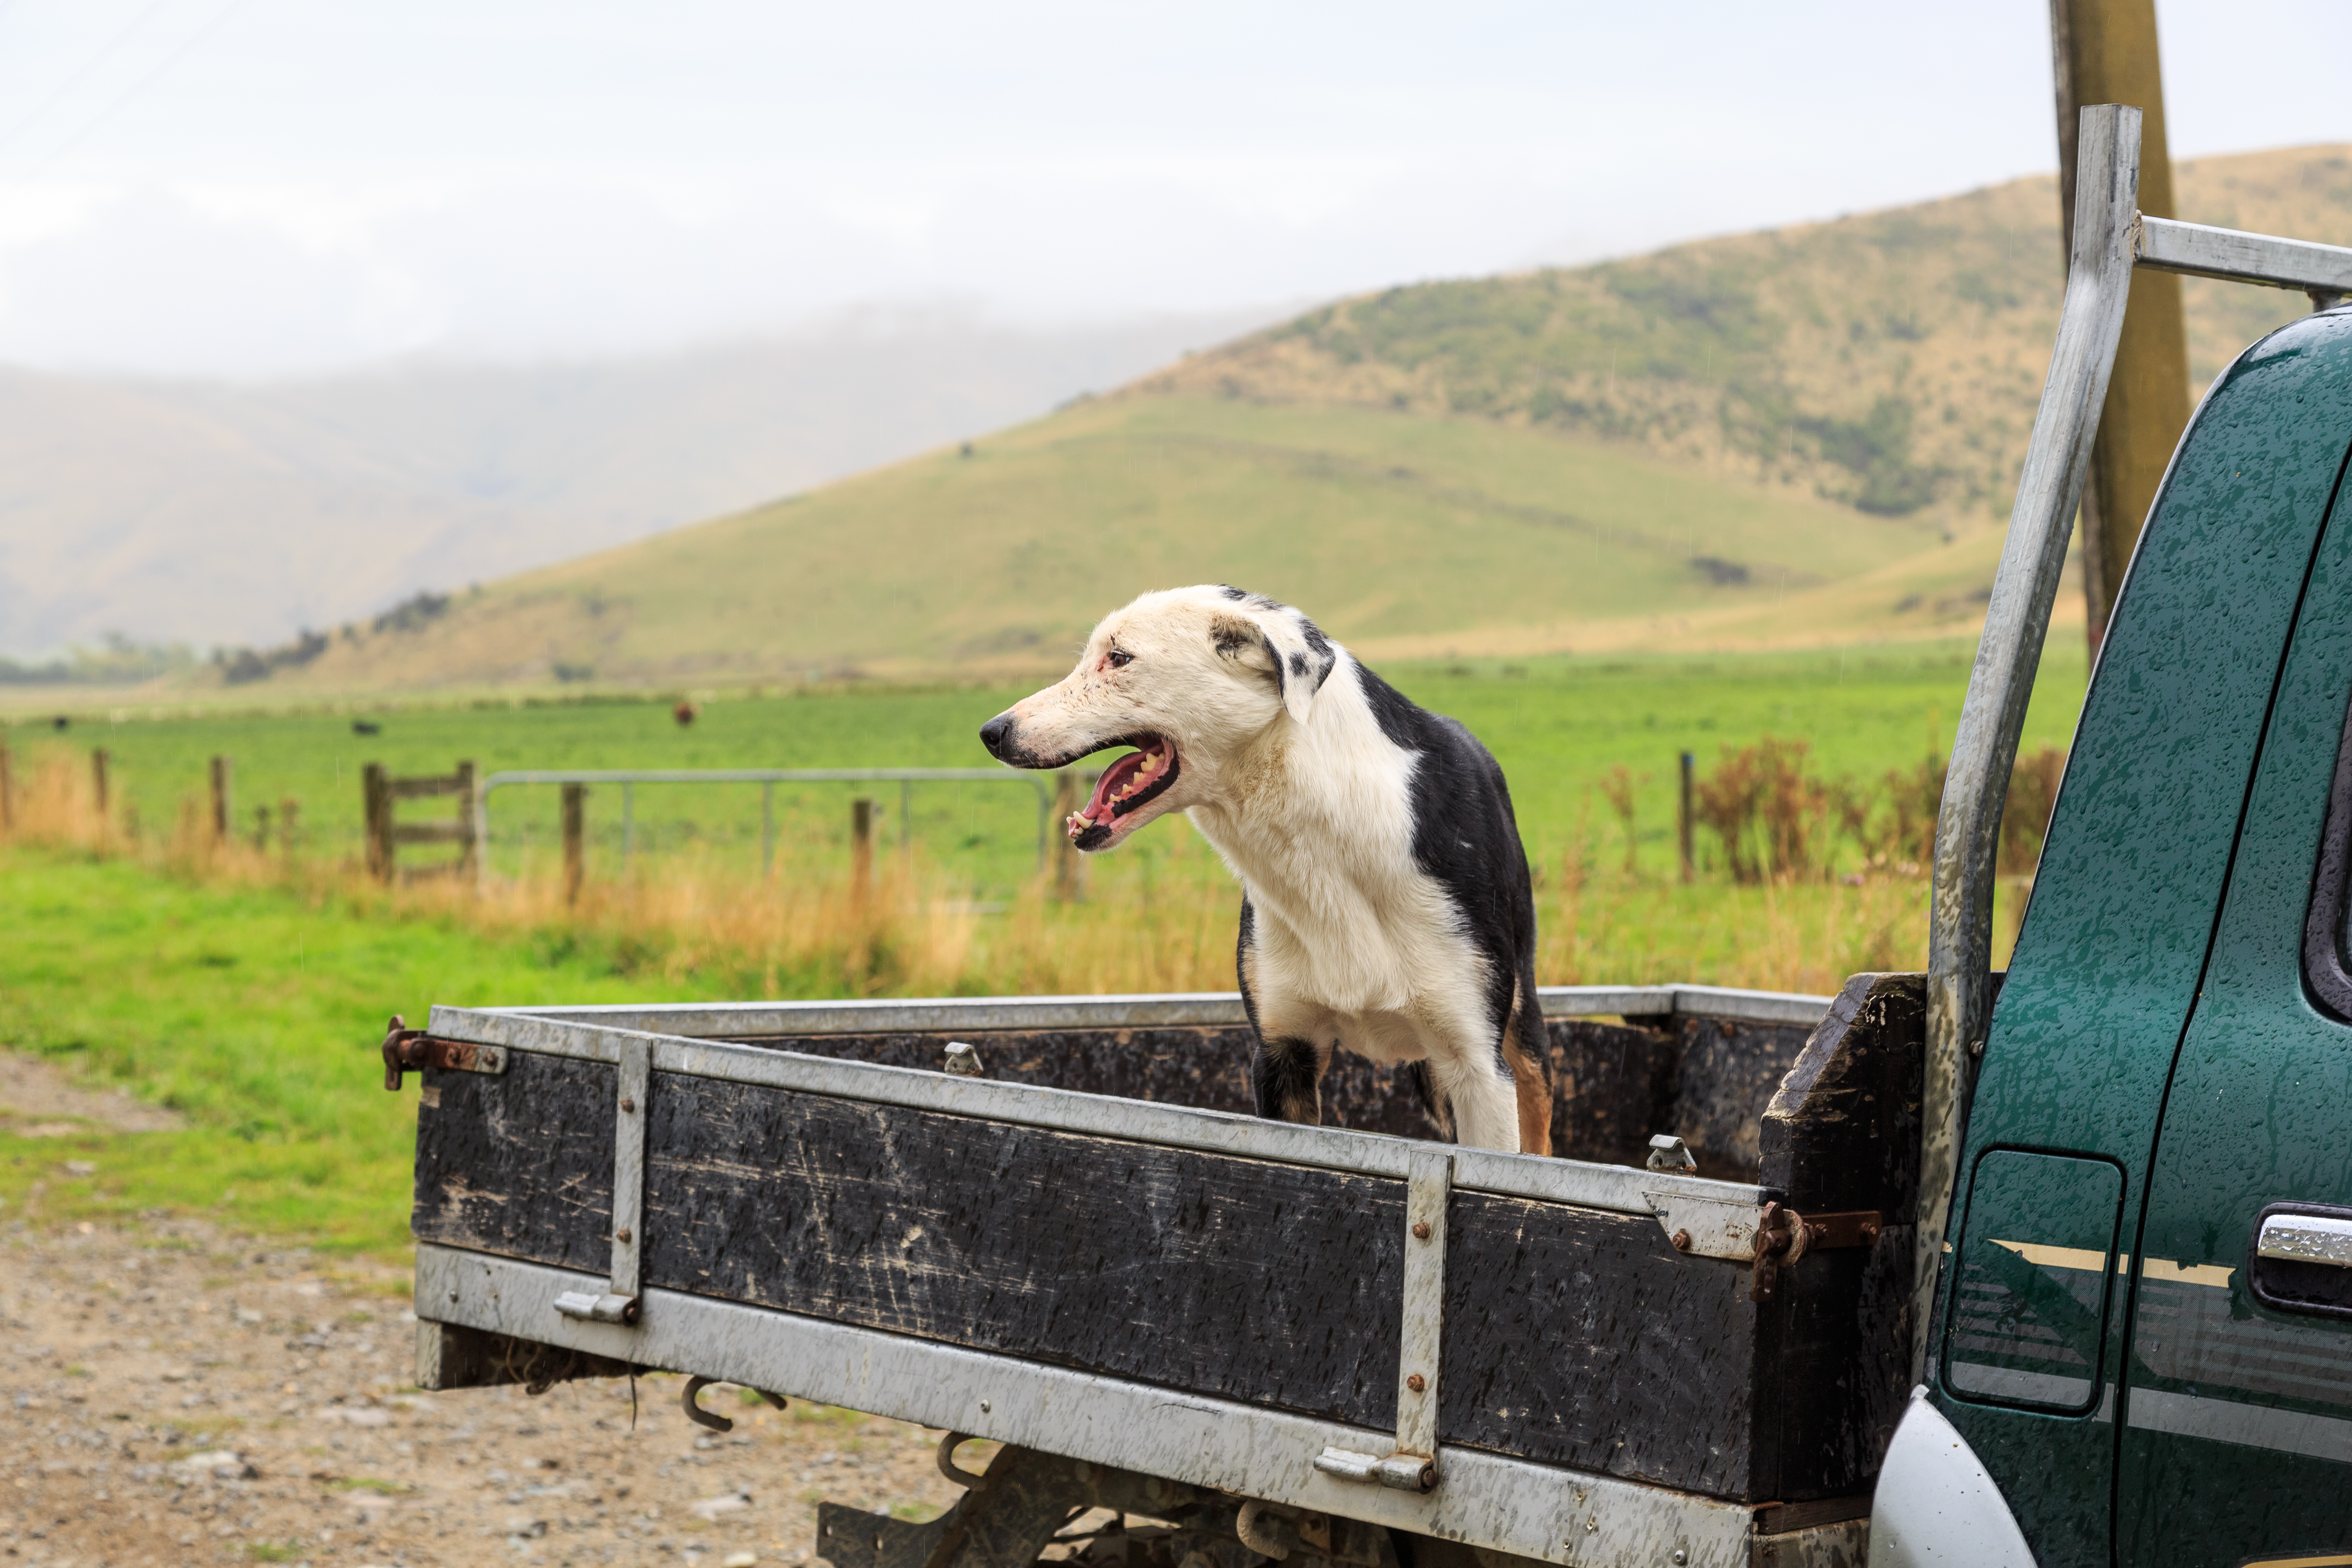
[(376, 796), (7, 790), (221, 781), (1683, 826), (289, 829), (97, 761), (575, 852), (861, 852), (261, 829), (469, 848)]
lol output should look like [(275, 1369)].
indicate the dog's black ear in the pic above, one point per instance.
[(1284, 644), (1303, 658)]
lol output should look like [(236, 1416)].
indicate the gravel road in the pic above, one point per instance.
[(178, 1394)]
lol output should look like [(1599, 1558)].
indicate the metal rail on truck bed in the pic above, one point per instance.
[(1305, 1317)]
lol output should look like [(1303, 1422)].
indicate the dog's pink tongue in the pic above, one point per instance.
[(1102, 808)]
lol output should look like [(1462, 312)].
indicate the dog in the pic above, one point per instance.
[(1386, 904)]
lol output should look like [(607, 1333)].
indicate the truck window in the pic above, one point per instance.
[(2028, 1321)]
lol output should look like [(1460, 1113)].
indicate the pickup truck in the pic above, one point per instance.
[(2049, 1268)]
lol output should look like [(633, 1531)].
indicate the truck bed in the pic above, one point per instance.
[(1092, 1252)]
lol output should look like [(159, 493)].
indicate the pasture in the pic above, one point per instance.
[(247, 992), (1560, 726)]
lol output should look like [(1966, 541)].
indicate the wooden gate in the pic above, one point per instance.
[(384, 836)]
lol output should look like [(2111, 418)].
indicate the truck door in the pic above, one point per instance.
[(2235, 1431), (2030, 1363)]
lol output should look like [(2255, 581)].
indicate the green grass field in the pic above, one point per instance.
[(254, 1009), (1557, 725)]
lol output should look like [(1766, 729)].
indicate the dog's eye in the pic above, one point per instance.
[(1119, 658)]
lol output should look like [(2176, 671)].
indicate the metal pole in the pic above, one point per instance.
[(1984, 747), (628, 827), (768, 829)]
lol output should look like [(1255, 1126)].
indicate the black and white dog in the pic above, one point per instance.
[(1386, 905)]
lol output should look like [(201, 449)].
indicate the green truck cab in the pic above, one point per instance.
[(2140, 1344)]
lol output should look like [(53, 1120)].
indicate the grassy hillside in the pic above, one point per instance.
[(1808, 435), (1891, 360), (1388, 525)]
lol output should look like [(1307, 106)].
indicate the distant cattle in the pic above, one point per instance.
[(684, 714), (366, 727)]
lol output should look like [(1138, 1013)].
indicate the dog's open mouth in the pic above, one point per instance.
[(1125, 789)]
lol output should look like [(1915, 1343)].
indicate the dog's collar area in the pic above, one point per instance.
[(1126, 787)]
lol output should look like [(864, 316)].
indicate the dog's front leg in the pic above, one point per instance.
[(1286, 1065), (1286, 1080)]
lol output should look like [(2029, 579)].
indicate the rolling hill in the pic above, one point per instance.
[(209, 513), (1802, 435)]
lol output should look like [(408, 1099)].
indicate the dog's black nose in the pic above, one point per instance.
[(995, 733)]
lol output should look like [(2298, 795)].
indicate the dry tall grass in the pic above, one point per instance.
[(805, 933)]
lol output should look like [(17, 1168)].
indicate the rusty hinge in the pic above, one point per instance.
[(407, 1050), (1784, 1235)]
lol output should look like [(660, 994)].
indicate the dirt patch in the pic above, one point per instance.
[(39, 1099), (177, 1394)]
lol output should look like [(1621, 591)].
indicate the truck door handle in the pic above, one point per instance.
[(2301, 1260)]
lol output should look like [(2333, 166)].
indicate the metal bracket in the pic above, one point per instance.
[(690, 1397), (407, 1050), (1784, 1235), (1706, 1228), (1669, 1152), (634, 1076), (1429, 1184), (591, 1307)]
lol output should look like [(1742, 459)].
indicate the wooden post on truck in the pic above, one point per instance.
[(2105, 52), (575, 852), (223, 780), (861, 853)]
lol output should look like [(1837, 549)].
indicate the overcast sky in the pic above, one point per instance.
[(257, 188)]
